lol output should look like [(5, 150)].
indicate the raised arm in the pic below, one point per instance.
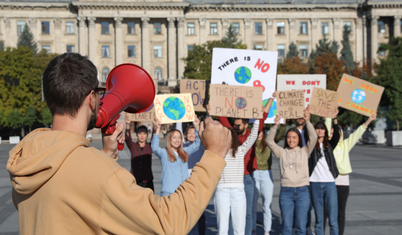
[(355, 136), (196, 145), (129, 141), (280, 133), (156, 149), (251, 138), (276, 149), (310, 145)]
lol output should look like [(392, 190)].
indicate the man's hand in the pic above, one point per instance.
[(215, 137), (196, 123), (110, 141)]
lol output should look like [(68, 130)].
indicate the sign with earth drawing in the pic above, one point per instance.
[(235, 101), (173, 108), (359, 95), (250, 68)]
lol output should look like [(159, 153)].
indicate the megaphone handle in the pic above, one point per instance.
[(110, 129)]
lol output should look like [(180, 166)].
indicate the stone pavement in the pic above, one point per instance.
[(374, 205)]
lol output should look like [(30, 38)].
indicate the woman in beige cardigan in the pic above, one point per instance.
[(294, 198)]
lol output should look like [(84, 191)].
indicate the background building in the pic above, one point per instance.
[(157, 34)]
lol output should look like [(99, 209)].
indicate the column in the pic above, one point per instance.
[(82, 36), (315, 34), (365, 45), (358, 41), (225, 26), (7, 31), (118, 40), (374, 41), (32, 22), (180, 46), (270, 35), (172, 76), (203, 35), (337, 32), (397, 26), (292, 31), (91, 39), (248, 34), (146, 60), (58, 45)]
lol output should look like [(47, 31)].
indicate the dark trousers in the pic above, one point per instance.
[(148, 184), (343, 194), (201, 224)]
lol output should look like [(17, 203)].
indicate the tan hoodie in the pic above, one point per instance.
[(63, 186), (293, 163)]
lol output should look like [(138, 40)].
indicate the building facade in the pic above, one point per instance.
[(157, 34)]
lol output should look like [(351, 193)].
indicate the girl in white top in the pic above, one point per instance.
[(230, 196)]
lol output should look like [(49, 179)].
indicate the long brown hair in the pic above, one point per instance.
[(235, 141), (263, 143), (180, 151), (325, 143)]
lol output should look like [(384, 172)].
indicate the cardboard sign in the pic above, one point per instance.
[(359, 95), (290, 104), (250, 68), (197, 90), (306, 82), (324, 102), (173, 108), (146, 116), (235, 101)]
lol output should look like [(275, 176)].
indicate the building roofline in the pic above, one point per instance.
[(146, 5)]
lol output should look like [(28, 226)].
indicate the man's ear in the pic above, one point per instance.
[(91, 99)]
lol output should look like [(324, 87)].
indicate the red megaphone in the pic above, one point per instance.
[(130, 88)]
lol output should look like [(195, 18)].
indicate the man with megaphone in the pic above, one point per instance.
[(63, 186)]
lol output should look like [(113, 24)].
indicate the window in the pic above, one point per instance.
[(380, 53), (70, 49), (348, 24), (280, 27), (130, 27), (105, 51), (157, 28), (158, 74), (258, 47), (190, 29), (281, 50), (303, 50), (70, 28), (157, 51), (190, 48), (324, 28), (258, 28), (381, 26), (105, 28), (303, 28), (46, 47), (45, 27), (105, 73), (131, 51), (401, 25), (20, 27), (236, 28), (213, 28)]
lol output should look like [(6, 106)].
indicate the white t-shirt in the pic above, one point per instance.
[(321, 171)]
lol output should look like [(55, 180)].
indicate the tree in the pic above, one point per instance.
[(27, 39), (15, 120), (199, 60), (389, 74), (346, 52), (46, 117), (30, 117), (292, 52), (1, 45), (293, 65)]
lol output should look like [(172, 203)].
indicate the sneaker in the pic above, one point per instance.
[(309, 232)]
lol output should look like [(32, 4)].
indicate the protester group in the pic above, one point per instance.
[(314, 171)]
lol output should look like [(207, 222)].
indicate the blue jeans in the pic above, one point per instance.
[(294, 204), (230, 201), (249, 189), (324, 194), (264, 184)]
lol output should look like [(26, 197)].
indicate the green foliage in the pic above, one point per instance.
[(199, 60), (389, 73), (27, 39), (292, 52), (1, 45), (334, 47), (46, 117), (30, 116), (346, 52), (15, 118)]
